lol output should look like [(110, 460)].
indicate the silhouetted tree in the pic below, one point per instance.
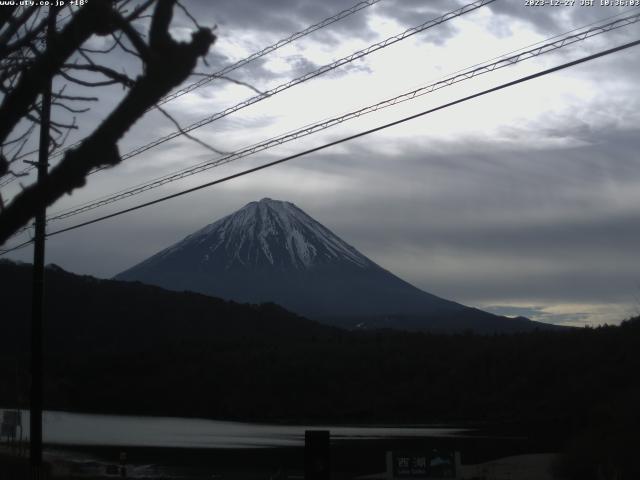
[(28, 63)]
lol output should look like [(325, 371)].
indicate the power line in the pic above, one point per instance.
[(234, 66), (4, 251), (324, 124), (281, 43), (308, 76), (343, 140), (546, 40), (359, 54)]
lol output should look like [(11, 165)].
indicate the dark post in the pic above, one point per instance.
[(37, 301), (123, 464), (316, 455)]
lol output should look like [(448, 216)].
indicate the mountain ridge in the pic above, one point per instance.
[(272, 251), (132, 315)]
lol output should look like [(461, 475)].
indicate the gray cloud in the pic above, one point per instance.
[(541, 213), (544, 227), (550, 225), (270, 18)]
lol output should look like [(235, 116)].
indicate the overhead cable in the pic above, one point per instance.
[(342, 140), (308, 76), (324, 124), (234, 66)]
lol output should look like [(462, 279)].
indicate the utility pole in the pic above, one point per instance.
[(37, 301)]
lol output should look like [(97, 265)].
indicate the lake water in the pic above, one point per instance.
[(62, 428)]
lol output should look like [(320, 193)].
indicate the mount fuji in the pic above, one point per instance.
[(272, 251)]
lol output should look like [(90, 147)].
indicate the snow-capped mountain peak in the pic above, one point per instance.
[(268, 233), (272, 251)]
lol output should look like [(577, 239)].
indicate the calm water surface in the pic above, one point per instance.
[(62, 428)]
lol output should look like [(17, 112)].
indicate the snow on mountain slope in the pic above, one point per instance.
[(272, 251), (258, 232)]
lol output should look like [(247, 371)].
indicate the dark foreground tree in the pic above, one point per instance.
[(28, 62)]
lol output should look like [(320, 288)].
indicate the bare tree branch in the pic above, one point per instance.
[(107, 72), (93, 17), (167, 63), (239, 82), (189, 136), (188, 14), (75, 98), (14, 25)]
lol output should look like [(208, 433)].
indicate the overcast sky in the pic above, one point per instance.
[(524, 201)]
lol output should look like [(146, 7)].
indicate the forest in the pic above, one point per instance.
[(117, 347)]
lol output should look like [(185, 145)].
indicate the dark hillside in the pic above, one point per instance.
[(86, 314), (129, 348)]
